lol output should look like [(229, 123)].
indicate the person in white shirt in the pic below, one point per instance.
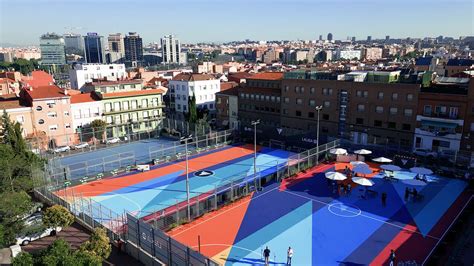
[(289, 256)]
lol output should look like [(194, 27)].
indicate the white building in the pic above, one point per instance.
[(52, 48), (85, 108), (171, 51), (202, 86), (347, 54), (373, 53), (81, 74)]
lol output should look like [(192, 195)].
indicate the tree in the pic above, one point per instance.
[(98, 244), (23, 259), (192, 114), (57, 216), (13, 206), (58, 253), (99, 128)]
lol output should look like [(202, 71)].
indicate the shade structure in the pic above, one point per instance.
[(390, 167), (338, 151), (355, 163), (363, 181), (363, 152), (335, 176), (382, 160), (362, 169), (421, 170)]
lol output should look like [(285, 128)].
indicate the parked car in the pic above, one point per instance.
[(25, 239), (34, 219), (425, 153), (81, 145), (112, 140), (62, 149)]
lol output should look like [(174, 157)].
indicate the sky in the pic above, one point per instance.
[(23, 21)]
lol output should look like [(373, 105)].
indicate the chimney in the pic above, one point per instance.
[(66, 92), (30, 88)]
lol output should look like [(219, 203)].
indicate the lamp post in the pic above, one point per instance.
[(254, 124), (318, 109), (187, 173)]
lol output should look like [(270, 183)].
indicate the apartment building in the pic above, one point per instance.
[(17, 112), (260, 98), (81, 74), (227, 106), (85, 108), (441, 115), (51, 113), (202, 86), (382, 111)]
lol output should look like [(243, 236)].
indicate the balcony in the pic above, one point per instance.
[(443, 119), (139, 108), (442, 115)]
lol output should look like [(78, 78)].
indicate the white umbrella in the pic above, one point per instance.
[(338, 151), (421, 170), (335, 176), (362, 169), (355, 163), (382, 160), (390, 167), (363, 152), (363, 181)]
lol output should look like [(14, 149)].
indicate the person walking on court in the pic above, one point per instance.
[(384, 199), (415, 194), (407, 193), (266, 255), (392, 257), (289, 256)]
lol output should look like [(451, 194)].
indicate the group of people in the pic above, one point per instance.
[(409, 192), (266, 255)]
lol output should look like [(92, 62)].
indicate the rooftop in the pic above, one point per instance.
[(232, 91), (10, 103), (84, 98), (268, 76), (46, 92), (38, 78), (131, 93), (193, 77), (228, 85), (460, 62)]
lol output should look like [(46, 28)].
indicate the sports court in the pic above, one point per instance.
[(145, 193), (90, 163), (327, 227)]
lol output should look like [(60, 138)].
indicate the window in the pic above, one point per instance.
[(408, 112), (325, 117), (20, 119), (301, 89), (41, 121), (297, 89), (219, 101), (145, 114), (427, 110), (394, 96), (287, 87), (117, 106), (392, 125), (377, 123), (267, 98), (359, 93), (125, 105), (108, 119), (39, 108), (299, 101), (359, 121), (53, 127), (311, 114), (277, 99), (298, 113), (52, 114), (312, 103), (453, 112), (393, 110), (67, 125), (406, 127), (380, 95), (134, 104), (312, 90), (285, 112), (379, 109), (409, 97), (366, 94), (178, 106), (272, 98), (360, 108), (326, 103)]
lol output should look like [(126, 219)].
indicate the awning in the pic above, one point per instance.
[(438, 124)]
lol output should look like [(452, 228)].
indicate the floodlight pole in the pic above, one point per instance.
[(254, 124), (318, 109), (187, 177)]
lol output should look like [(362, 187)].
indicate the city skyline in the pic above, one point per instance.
[(210, 21)]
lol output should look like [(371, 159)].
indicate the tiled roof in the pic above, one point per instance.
[(37, 79), (84, 98), (268, 76), (10, 103), (46, 92), (7, 80), (193, 77), (232, 91), (228, 85), (131, 93), (460, 62), (241, 75)]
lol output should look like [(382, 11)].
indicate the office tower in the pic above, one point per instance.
[(116, 43), (74, 43), (52, 49), (320, 37), (369, 38), (387, 38), (353, 39), (329, 36), (94, 48), (133, 49), (171, 50)]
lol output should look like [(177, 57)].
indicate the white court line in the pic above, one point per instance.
[(225, 245), (100, 202), (219, 214), (363, 215), (447, 230)]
